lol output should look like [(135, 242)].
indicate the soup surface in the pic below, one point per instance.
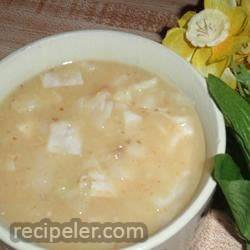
[(99, 141)]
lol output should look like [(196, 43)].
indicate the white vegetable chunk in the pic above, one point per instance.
[(64, 139), (101, 107), (101, 186), (120, 80), (99, 101), (145, 84), (53, 79), (183, 122), (178, 189), (106, 113), (122, 96), (24, 106), (147, 102), (163, 202), (185, 125), (131, 118)]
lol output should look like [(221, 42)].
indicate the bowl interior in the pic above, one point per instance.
[(134, 50)]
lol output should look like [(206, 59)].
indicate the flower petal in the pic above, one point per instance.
[(208, 28), (176, 41), (219, 4), (227, 48), (245, 48), (229, 78), (246, 5), (240, 58), (200, 59), (246, 28), (238, 18), (185, 18)]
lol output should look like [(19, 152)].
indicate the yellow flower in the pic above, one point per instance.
[(175, 38), (243, 55), (208, 28), (176, 41), (246, 5), (209, 38), (228, 77)]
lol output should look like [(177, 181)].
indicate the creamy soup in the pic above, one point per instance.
[(99, 141)]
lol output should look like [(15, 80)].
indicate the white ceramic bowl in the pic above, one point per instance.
[(135, 50)]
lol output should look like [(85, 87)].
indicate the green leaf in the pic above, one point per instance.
[(226, 169), (235, 109), (234, 149), (248, 246), (242, 75), (236, 191)]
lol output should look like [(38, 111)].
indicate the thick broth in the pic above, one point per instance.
[(100, 141)]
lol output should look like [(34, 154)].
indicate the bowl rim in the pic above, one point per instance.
[(196, 205)]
